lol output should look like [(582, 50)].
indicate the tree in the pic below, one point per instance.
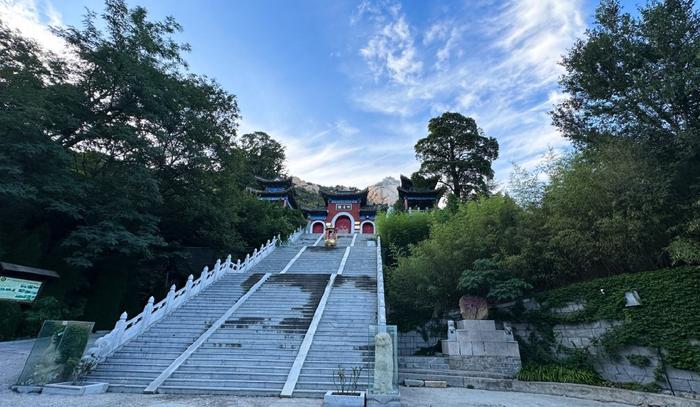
[(424, 284), (265, 155), (484, 279), (459, 153), (637, 78), (118, 163)]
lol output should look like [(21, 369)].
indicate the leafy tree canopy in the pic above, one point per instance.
[(264, 155), (458, 152)]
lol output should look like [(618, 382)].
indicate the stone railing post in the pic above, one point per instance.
[(188, 286), (217, 269), (119, 330), (146, 315), (238, 265), (228, 263), (169, 299), (202, 278), (381, 306)]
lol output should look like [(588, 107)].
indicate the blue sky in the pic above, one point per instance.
[(349, 86)]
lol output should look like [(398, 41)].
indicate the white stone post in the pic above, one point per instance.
[(246, 262), (217, 269), (169, 299), (119, 330), (203, 278), (238, 265), (228, 263), (146, 314), (188, 286)]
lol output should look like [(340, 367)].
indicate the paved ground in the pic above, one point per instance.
[(13, 355), (461, 397)]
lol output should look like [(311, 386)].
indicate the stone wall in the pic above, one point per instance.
[(619, 368), (411, 342)]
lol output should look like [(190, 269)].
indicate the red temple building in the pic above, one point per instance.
[(276, 190), (419, 198), (346, 211)]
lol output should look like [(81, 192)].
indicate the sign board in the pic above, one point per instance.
[(17, 289)]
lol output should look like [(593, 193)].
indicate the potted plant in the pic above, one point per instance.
[(78, 386), (346, 394)]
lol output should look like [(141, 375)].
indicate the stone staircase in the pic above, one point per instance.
[(141, 360), (437, 368), (253, 351), (342, 339)]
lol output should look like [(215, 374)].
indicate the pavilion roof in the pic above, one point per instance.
[(280, 182), (346, 195), (421, 194), (288, 193), (315, 211)]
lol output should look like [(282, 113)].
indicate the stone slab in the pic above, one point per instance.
[(450, 347), (435, 383), (382, 400), (480, 325), (413, 383)]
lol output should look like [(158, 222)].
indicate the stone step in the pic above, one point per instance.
[(200, 389), (262, 383), (429, 374)]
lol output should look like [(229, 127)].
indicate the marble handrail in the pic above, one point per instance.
[(381, 305), (126, 329)]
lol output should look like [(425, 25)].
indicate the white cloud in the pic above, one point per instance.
[(33, 21), (391, 51), (499, 66)]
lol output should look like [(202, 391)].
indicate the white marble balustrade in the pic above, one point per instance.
[(126, 329)]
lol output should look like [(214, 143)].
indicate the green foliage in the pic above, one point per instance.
[(484, 279), (458, 152), (559, 373), (264, 155), (425, 284), (634, 77), (42, 309), (668, 317), (122, 156), (685, 248), (400, 231), (11, 317), (639, 360)]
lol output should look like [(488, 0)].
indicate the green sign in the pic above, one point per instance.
[(17, 289)]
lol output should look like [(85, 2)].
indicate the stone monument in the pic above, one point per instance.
[(383, 364)]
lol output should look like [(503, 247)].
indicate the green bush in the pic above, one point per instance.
[(400, 231), (559, 373), (11, 317), (424, 285), (42, 309)]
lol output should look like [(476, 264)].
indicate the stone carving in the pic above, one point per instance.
[(451, 331), (473, 307), (383, 364)]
